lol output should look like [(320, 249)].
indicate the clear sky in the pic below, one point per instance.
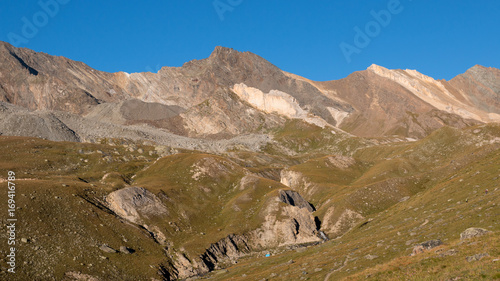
[(321, 40)]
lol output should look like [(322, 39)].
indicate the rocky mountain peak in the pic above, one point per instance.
[(222, 51), (479, 67), (479, 71), (375, 67)]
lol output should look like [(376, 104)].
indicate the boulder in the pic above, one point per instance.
[(107, 249), (135, 203), (126, 250), (420, 248)]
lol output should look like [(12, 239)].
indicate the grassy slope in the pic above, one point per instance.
[(63, 229), (210, 207), (60, 188), (440, 172)]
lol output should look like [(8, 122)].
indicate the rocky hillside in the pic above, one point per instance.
[(119, 211), (229, 168)]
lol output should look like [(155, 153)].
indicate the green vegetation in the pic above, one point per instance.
[(403, 193), (445, 177)]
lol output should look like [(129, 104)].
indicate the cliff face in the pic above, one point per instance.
[(40, 81)]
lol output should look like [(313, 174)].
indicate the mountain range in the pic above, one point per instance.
[(232, 93)]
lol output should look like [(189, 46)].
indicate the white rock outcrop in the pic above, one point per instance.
[(434, 93), (135, 204), (277, 102), (284, 225), (273, 102)]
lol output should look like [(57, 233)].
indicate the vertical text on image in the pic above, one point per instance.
[(11, 221)]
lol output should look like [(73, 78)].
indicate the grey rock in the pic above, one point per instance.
[(420, 248), (476, 257), (133, 203), (107, 249), (451, 252), (293, 198), (126, 250), (371, 257)]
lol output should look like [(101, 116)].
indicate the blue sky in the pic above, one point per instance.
[(438, 38)]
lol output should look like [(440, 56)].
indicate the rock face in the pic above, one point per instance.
[(395, 102), (281, 224), (40, 81), (281, 103), (273, 102), (135, 204), (294, 226), (225, 250), (293, 198), (437, 94), (139, 206), (480, 86), (285, 226)]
